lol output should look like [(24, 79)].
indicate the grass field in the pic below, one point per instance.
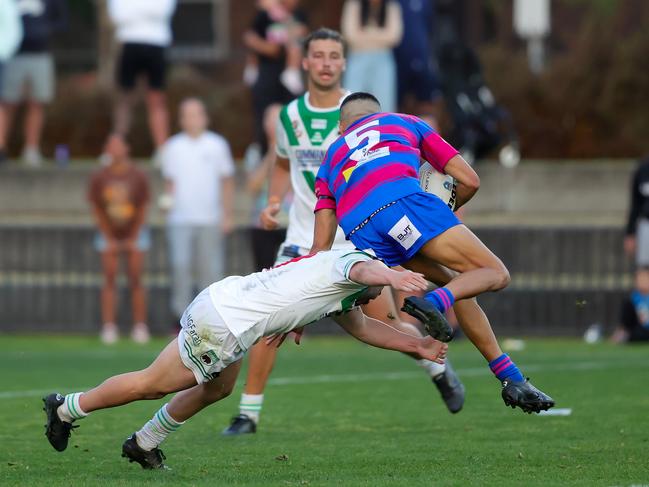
[(341, 413)]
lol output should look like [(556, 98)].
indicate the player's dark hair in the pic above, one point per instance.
[(358, 96), (323, 34)]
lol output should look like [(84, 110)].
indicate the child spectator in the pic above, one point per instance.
[(119, 195)]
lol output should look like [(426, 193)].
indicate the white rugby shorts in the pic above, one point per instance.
[(205, 343)]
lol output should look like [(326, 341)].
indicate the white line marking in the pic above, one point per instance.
[(385, 376)]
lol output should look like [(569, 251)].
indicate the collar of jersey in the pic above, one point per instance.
[(320, 109), (360, 120)]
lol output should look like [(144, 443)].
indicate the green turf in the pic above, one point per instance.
[(335, 416)]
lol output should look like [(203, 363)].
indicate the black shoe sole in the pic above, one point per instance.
[(434, 321), (528, 407)]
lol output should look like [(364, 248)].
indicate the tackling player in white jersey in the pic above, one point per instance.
[(306, 128), (223, 322)]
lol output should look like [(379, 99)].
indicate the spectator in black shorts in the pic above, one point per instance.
[(417, 82), (143, 27), (271, 39)]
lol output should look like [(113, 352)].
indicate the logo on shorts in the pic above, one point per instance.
[(209, 358), (405, 232)]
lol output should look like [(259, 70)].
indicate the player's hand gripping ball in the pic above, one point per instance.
[(442, 185)]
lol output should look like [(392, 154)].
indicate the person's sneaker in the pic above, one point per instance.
[(149, 460), (32, 157), (57, 431), (3, 156), (140, 334), (426, 312), (451, 388), (240, 425), (109, 335), (525, 396)]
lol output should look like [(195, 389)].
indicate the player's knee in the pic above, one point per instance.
[(502, 279)]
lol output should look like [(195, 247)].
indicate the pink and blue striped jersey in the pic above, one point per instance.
[(375, 162)]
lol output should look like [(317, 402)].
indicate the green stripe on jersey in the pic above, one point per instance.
[(288, 126), (318, 125), (310, 179)]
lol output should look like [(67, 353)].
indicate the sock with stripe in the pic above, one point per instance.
[(503, 368), (157, 429), (442, 298), (70, 410), (250, 405)]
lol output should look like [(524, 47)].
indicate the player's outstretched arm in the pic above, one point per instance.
[(467, 179), (376, 273), (380, 335), (324, 231)]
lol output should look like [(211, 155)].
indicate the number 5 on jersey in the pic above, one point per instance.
[(364, 154)]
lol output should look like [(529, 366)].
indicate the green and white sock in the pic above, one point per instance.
[(157, 429), (433, 368), (70, 410), (250, 405)]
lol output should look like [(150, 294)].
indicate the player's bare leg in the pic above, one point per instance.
[(474, 323), (143, 446), (479, 270), (443, 375), (165, 375), (262, 358)]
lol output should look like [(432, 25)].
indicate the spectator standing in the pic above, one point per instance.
[(119, 195), (372, 28), (417, 81), (11, 34), (32, 66), (143, 28), (636, 242), (199, 176), (273, 38)]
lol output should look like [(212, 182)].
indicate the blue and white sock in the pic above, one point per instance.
[(442, 298), (157, 429)]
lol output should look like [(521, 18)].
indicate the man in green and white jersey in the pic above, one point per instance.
[(306, 128)]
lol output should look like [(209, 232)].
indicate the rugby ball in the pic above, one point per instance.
[(442, 185)]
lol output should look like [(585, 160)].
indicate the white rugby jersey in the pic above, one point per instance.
[(290, 295), (304, 133)]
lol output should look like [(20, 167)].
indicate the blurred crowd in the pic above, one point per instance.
[(395, 50)]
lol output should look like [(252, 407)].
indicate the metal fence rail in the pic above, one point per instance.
[(563, 278)]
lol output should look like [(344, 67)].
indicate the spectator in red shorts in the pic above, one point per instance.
[(119, 195)]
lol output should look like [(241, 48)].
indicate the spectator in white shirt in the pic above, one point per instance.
[(143, 28), (199, 174), (11, 34)]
